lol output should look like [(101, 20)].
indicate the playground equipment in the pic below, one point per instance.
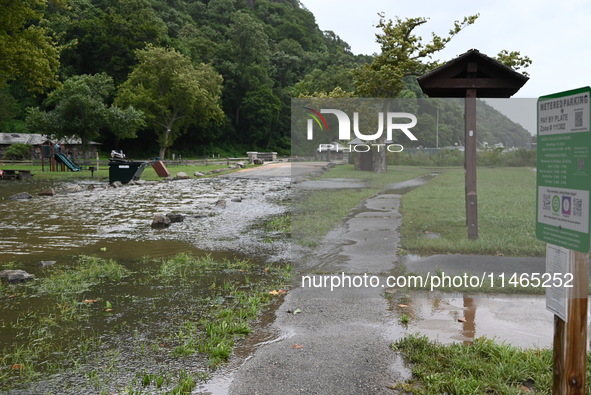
[(69, 164)]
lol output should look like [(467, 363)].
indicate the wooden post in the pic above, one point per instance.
[(570, 338), (470, 165)]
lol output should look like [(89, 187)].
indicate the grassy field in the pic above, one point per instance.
[(318, 211), (434, 217), (506, 214), (103, 173)]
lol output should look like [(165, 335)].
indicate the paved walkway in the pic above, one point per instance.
[(337, 341)]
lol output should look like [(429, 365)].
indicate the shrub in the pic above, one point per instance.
[(18, 151)]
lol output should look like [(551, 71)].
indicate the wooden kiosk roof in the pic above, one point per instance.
[(472, 70)]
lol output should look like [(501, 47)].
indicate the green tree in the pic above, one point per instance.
[(172, 92), (105, 35), (28, 50), (403, 53), (79, 109)]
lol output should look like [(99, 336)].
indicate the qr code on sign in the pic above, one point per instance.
[(546, 201), (577, 207), (578, 119)]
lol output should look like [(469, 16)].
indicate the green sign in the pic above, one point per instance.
[(564, 169)]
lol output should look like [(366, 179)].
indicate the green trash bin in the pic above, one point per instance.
[(125, 171)]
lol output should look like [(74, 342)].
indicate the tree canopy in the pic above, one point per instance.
[(172, 93), (250, 57), (79, 109)]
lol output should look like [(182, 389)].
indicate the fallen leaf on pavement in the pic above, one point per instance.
[(461, 319), (297, 311), (403, 305), (297, 346)]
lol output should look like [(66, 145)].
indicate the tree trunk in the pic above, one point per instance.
[(380, 163)]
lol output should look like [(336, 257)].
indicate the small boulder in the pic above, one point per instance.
[(16, 276), (237, 200), (160, 221), (116, 184), (221, 204), (46, 263), (174, 218), (240, 165), (47, 192), (21, 196), (198, 174), (258, 162), (73, 189), (181, 175)]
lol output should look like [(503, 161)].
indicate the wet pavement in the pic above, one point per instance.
[(339, 341), (318, 340)]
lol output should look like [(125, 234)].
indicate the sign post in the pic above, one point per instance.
[(563, 218)]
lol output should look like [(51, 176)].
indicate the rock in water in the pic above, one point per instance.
[(160, 222), (21, 196), (16, 276), (47, 192), (175, 217)]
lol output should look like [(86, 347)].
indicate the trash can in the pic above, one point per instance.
[(125, 171)]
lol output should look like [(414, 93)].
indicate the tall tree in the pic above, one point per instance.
[(28, 50), (403, 54), (172, 92), (79, 109)]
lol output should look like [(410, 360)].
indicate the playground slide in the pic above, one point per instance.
[(64, 159)]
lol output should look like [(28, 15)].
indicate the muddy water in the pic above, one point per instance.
[(44, 228), (519, 320), (115, 223)]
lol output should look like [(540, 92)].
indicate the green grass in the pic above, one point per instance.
[(484, 367), (86, 272), (506, 214), (318, 211), (232, 308), (103, 173)]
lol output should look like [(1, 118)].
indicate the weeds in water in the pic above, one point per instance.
[(86, 272), (206, 324)]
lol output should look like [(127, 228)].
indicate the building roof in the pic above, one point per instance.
[(37, 139), (472, 70)]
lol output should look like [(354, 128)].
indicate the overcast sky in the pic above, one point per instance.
[(556, 35)]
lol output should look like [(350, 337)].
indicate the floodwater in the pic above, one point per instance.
[(115, 223), (45, 228), (519, 320)]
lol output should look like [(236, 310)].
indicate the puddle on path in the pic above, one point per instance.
[(520, 320)]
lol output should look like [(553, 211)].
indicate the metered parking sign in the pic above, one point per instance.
[(564, 169)]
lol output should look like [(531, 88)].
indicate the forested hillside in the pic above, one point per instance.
[(200, 77)]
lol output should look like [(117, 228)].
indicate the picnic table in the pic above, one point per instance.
[(15, 174)]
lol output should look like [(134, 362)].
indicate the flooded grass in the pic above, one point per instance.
[(142, 326), (317, 211), (483, 367), (506, 215)]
